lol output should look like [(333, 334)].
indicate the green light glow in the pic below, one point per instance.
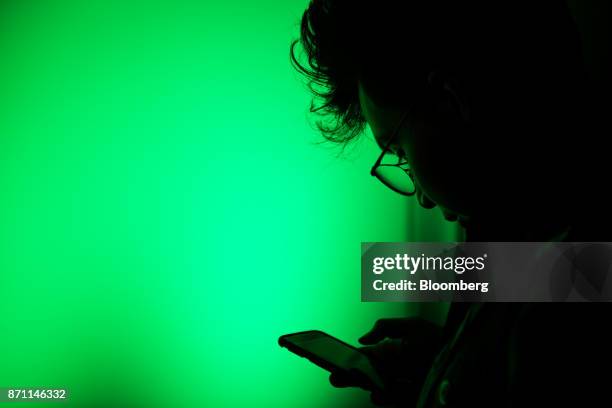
[(165, 215)]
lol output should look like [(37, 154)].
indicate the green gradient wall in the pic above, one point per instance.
[(165, 213)]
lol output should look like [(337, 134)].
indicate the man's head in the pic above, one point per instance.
[(490, 87)]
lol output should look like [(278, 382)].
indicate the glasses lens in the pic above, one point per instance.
[(396, 178)]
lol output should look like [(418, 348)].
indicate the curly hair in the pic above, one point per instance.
[(390, 46), (351, 41), (330, 71)]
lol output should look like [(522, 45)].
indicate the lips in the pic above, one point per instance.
[(449, 216)]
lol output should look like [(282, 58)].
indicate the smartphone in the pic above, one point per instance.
[(330, 353)]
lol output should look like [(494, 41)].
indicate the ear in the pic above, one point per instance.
[(451, 94)]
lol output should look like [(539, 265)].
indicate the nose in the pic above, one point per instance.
[(423, 200)]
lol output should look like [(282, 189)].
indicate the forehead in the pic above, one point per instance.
[(382, 120)]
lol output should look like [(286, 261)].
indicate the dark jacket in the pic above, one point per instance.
[(523, 355)]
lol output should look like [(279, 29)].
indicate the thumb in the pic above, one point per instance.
[(360, 379), (375, 335)]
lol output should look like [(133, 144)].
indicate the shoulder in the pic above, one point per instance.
[(557, 351), (557, 325)]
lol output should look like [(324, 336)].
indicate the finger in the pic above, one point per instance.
[(375, 334), (380, 399), (341, 380), (359, 379)]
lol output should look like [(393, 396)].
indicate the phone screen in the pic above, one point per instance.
[(327, 348)]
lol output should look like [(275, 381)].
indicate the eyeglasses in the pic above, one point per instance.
[(398, 177)]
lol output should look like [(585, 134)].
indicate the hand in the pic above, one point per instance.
[(401, 350)]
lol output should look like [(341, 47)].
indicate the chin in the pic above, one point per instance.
[(464, 221)]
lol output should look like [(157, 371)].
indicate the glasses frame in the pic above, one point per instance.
[(385, 150)]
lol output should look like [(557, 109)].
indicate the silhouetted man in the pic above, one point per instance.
[(488, 114)]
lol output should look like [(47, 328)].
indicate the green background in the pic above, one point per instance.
[(166, 212)]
